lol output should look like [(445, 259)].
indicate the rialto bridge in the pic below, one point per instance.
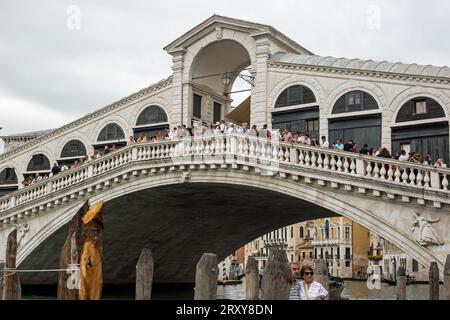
[(215, 193)]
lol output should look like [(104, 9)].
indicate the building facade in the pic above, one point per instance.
[(343, 243)]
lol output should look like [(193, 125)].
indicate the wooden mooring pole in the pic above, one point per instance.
[(447, 279), (206, 278), (69, 284), (401, 283), (11, 284), (91, 260), (276, 284), (251, 280), (434, 281), (144, 275), (321, 274), (2, 267)]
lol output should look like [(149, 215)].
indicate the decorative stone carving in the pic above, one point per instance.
[(185, 176), (423, 232), (22, 230), (219, 33)]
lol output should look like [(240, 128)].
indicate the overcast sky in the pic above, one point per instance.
[(51, 74)]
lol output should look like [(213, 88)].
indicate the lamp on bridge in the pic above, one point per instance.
[(226, 79)]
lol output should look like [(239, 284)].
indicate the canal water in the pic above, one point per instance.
[(353, 290)]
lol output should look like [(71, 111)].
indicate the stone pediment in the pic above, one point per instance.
[(216, 24)]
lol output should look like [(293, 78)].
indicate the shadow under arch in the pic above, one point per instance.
[(179, 223)]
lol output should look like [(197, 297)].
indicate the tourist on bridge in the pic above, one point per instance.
[(440, 163), (403, 156), (324, 142), (254, 131), (349, 146), (339, 145), (264, 132), (56, 169), (365, 150)]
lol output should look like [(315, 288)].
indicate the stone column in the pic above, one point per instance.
[(177, 109), (259, 112)]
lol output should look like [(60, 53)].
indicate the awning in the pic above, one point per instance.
[(241, 114)]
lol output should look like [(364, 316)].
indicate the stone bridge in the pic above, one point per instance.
[(214, 194)]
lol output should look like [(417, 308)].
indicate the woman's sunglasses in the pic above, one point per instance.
[(308, 273)]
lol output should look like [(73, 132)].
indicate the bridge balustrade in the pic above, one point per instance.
[(242, 149)]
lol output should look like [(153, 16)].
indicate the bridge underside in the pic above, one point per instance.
[(179, 223)]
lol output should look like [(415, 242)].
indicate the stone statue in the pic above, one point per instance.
[(22, 230), (423, 232)]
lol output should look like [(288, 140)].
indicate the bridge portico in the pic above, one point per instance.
[(323, 182)]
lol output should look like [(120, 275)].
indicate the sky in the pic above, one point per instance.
[(60, 60)]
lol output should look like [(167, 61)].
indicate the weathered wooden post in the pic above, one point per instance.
[(144, 275), (321, 273), (206, 278), (276, 280), (447, 279), (401, 283), (434, 281), (91, 261), (11, 283), (69, 284), (2, 269), (251, 280)]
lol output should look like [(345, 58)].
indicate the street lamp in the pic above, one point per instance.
[(226, 79)]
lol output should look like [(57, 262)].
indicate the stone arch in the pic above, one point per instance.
[(109, 120), (327, 199), (293, 80), (374, 90), (156, 101), (411, 93), (41, 150), (74, 136), (192, 52), (11, 164), (4, 167)]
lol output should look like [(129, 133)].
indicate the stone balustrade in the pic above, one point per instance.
[(245, 150)]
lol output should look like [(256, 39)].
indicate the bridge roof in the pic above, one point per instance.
[(363, 65), (252, 28), (26, 135)]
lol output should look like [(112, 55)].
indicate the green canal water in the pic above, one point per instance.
[(354, 290)]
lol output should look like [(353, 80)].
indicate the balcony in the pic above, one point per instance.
[(375, 258), (329, 242), (276, 243)]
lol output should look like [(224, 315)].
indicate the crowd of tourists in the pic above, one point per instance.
[(278, 135)]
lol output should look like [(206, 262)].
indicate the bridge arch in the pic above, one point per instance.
[(365, 213), (112, 119)]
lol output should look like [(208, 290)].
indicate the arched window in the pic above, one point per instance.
[(152, 121), (39, 162), (73, 148), (112, 132), (152, 115), (8, 176), (295, 95), (420, 108), (355, 101), (301, 232)]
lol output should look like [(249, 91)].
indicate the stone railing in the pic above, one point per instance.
[(245, 150)]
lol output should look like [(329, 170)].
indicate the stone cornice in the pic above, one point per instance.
[(130, 99), (362, 73)]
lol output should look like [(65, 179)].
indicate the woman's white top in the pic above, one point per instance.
[(315, 292)]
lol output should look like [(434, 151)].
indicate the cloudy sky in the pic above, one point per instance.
[(52, 72)]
